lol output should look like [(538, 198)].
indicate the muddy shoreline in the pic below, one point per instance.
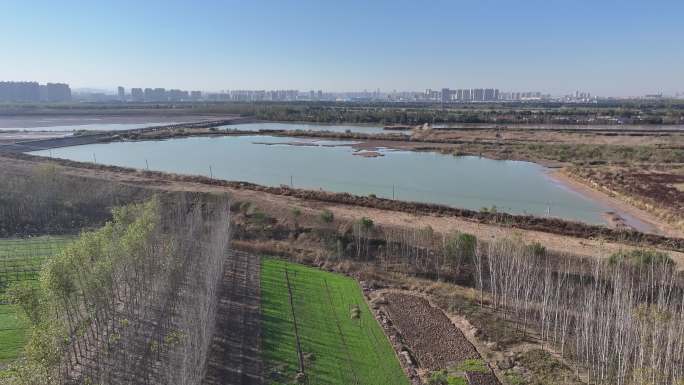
[(633, 217), (547, 225), (622, 216)]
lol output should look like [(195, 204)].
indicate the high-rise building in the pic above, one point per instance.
[(122, 93), (177, 95), (478, 94), (446, 95), (137, 94), (19, 91), (159, 95), (42, 91), (58, 92)]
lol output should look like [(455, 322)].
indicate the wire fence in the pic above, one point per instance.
[(21, 260), (561, 204), (553, 202)]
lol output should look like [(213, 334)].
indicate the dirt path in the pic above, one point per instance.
[(281, 206), (235, 355)]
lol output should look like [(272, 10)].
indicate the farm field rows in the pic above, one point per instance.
[(20, 260), (341, 342)]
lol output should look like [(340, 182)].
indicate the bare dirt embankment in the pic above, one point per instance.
[(629, 215), (653, 190), (558, 235)]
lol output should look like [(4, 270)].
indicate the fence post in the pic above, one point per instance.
[(294, 320)]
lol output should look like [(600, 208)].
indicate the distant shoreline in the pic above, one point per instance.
[(632, 216)]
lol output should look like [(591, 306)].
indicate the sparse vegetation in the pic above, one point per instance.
[(327, 216), (641, 257), (543, 369)]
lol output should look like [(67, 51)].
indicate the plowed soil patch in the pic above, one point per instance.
[(435, 342)]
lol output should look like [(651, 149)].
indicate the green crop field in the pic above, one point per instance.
[(20, 260), (341, 342)]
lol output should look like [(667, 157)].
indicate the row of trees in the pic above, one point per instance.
[(133, 302), (621, 319)]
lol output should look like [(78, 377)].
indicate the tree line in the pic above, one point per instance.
[(132, 302), (620, 319)]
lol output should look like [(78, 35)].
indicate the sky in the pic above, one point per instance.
[(606, 47)]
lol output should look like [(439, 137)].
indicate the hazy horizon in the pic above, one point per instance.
[(625, 48)]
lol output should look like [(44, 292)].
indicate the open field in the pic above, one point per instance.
[(318, 311), (20, 260)]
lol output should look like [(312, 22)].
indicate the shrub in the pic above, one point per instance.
[(438, 378), (537, 249), (473, 365), (641, 257), (460, 247), (327, 216), (245, 206), (513, 378), (366, 223), (490, 210)]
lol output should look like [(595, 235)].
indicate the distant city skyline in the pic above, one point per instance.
[(31, 91), (610, 48)]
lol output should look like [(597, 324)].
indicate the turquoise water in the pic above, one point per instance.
[(467, 181)]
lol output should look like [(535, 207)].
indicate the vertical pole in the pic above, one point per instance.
[(392, 191), (294, 321), (211, 172), (94, 158), (291, 181), (147, 164)]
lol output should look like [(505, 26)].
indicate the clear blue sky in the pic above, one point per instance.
[(606, 47)]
